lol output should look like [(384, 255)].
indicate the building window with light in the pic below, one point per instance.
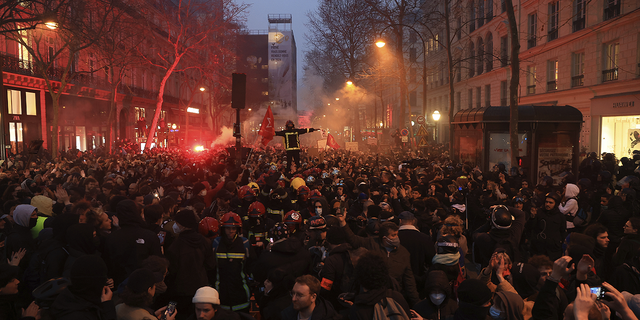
[(14, 101), (531, 80), (552, 75), (610, 71), (579, 14), (554, 8), (577, 69), (532, 21)]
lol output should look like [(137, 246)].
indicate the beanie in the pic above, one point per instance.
[(206, 295), (44, 204), (187, 218), (474, 292)]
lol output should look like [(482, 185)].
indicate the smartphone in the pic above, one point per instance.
[(598, 291), (171, 308)]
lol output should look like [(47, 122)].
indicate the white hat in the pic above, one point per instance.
[(206, 295)]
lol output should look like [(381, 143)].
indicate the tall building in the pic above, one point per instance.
[(585, 54), (283, 66)]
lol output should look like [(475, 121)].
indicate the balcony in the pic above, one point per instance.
[(577, 81), (552, 85), (610, 75), (578, 24)]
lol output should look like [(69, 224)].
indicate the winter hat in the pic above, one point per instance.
[(44, 204), (406, 215), (141, 280), (206, 295), (88, 276), (525, 279), (474, 292), (373, 211), (22, 214), (187, 218), (198, 187), (148, 199)]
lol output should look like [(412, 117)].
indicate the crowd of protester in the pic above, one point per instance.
[(172, 234)]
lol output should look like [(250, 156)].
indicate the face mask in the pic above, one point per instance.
[(392, 243), (319, 211), (604, 207), (495, 313), (33, 222), (176, 228), (437, 298)]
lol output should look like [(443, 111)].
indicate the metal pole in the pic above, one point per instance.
[(3, 113), (236, 133)]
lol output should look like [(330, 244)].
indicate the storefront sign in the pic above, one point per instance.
[(625, 104), (554, 161)]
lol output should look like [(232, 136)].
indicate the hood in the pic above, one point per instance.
[(616, 204), (291, 245), (44, 204), (512, 304), (128, 213), (370, 297), (571, 190), (22, 214), (80, 237), (191, 237), (437, 279), (62, 223), (67, 303)]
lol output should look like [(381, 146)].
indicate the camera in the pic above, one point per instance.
[(598, 291)]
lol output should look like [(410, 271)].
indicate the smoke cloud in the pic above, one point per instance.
[(225, 138)]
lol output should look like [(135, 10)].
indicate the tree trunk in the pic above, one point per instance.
[(159, 101), (515, 82), (403, 76), (450, 67), (55, 135)]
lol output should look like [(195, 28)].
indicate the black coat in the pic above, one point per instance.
[(20, 237), (364, 303), (68, 306), (190, 258), (289, 254), (549, 232), (322, 311), (337, 275), (421, 249)]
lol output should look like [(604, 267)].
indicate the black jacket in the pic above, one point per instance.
[(190, 257), (322, 311), (550, 303), (364, 303), (549, 232), (421, 249), (289, 254), (337, 275), (68, 306), (437, 280)]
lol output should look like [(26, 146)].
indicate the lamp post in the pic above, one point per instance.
[(436, 117), (380, 43)]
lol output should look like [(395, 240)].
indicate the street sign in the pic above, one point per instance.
[(423, 141), (422, 132), (420, 120), (405, 139), (404, 132)]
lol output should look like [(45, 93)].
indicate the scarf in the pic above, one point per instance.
[(448, 259)]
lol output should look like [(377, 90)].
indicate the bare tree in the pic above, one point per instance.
[(18, 15), (515, 82), (180, 28), (79, 25)]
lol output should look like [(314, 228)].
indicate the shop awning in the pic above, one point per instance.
[(526, 113)]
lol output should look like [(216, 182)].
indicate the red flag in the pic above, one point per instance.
[(331, 142), (267, 131)]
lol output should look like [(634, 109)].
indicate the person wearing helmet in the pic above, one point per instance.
[(284, 251), (303, 204), (293, 220), (209, 227), (256, 226), (292, 143), (550, 229), (279, 203), (503, 230), (234, 256), (246, 196)]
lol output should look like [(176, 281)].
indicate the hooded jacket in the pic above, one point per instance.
[(68, 306), (437, 279), (190, 258), (614, 219), (20, 235), (570, 207), (127, 247), (512, 305), (288, 253), (364, 303)]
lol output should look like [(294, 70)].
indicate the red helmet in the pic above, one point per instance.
[(209, 227), (231, 219), (256, 209), (293, 217), (304, 191), (315, 195), (246, 193)]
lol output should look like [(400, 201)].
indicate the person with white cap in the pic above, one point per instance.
[(207, 306)]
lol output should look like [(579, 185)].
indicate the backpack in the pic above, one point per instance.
[(388, 308), (583, 215)]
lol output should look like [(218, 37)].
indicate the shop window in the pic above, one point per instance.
[(552, 75), (81, 138), (554, 8), (579, 14), (14, 101), (32, 106), (15, 137), (619, 135), (577, 69)]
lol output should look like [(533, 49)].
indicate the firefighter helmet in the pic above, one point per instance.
[(246, 193), (209, 227), (231, 219), (256, 209)]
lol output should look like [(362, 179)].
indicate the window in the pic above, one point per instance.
[(611, 9), (489, 53), (412, 75), (478, 97), (458, 100), (489, 14), (472, 60), (412, 55), (14, 101), (458, 69), (610, 71), (32, 107), (531, 80), (23, 52), (487, 95), (504, 91), (480, 13), (503, 6), (552, 32), (532, 23), (459, 29), (577, 69), (579, 14), (552, 75), (480, 56), (470, 95), (472, 16), (413, 37), (504, 51)]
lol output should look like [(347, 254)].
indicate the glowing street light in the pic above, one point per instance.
[(337, 99), (349, 83), (50, 20), (436, 115), (380, 43), (202, 89)]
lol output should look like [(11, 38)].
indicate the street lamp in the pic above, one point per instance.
[(436, 117), (349, 82), (381, 43)]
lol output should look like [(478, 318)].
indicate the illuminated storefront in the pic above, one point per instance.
[(617, 120)]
